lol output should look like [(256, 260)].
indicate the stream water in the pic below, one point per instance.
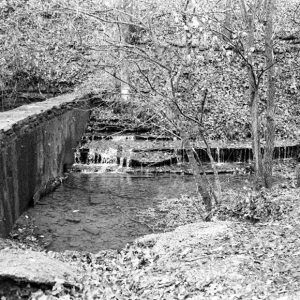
[(97, 208), (93, 211)]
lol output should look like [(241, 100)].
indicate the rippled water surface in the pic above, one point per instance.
[(93, 211)]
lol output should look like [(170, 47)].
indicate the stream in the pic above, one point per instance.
[(98, 208), (94, 211), (97, 211)]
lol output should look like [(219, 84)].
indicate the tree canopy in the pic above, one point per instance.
[(58, 45)]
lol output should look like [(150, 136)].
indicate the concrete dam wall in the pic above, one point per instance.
[(37, 142)]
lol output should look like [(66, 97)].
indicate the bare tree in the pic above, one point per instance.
[(298, 176), (270, 111), (125, 37), (249, 14), (227, 31)]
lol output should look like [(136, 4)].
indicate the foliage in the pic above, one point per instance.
[(246, 262), (172, 213), (156, 58), (54, 45), (43, 47), (255, 206)]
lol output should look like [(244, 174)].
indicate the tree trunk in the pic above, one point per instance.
[(125, 88), (298, 176), (270, 112), (297, 171), (253, 94), (256, 147), (125, 38), (201, 182), (217, 196), (227, 22)]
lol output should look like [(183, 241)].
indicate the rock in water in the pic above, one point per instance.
[(91, 229), (73, 219), (32, 266)]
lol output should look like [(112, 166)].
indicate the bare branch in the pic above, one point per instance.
[(111, 21)]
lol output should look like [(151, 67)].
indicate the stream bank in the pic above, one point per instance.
[(93, 212), (218, 260), (215, 260), (121, 184)]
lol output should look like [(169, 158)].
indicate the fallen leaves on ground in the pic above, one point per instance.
[(217, 260)]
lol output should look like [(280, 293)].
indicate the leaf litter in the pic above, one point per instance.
[(232, 259)]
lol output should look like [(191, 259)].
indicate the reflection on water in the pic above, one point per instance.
[(97, 211), (92, 211)]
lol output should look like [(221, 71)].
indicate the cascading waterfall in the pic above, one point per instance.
[(122, 161), (124, 153), (218, 155), (109, 156), (128, 159)]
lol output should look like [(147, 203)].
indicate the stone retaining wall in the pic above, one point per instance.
[(37, 142)]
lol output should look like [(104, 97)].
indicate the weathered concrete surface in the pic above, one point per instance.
[(185, 236), (38, 267), (36, 142)]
